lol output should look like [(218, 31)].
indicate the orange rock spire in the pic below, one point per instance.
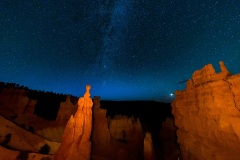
[(76, 138)]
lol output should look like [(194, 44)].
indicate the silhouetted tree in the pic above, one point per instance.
[(7, 139), (22, 155), (31, 129), (44, 149), (124, 135)]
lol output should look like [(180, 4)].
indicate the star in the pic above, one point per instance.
[(126, 50)]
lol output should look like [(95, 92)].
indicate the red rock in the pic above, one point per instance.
[(207, 115), (76, 143)]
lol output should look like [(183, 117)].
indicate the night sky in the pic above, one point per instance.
[(125, 49)]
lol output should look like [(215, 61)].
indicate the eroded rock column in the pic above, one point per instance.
[(76, 144), (149, 153)]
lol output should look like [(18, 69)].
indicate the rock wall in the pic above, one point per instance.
[(76, 137), (207, 115)]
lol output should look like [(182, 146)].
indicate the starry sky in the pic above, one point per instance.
[(125, 49)]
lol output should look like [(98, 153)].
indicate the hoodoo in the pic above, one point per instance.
[(76, 142)]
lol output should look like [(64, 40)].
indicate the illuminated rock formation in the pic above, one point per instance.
[(148, 147), (207, 115), (76, 138)]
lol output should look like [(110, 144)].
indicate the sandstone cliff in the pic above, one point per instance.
[(207, 115)]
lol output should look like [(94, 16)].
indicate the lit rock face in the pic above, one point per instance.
[(207, 115), (76, 143)]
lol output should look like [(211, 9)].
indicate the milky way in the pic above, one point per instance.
[(126, 50)]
